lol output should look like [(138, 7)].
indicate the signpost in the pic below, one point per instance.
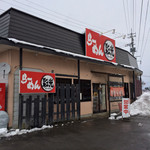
[(125, 107), (36, 82)]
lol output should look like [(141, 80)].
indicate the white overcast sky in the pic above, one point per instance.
[(99, 15)]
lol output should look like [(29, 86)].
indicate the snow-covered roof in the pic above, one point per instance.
[(60, 51)]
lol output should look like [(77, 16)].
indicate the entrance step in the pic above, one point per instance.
[(101, 115)]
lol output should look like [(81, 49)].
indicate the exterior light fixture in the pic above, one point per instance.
[(112, 30), (52, 71), (121, 36)]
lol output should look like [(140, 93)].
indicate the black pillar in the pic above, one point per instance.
[(108, 87), (20, 59), (140, 85), (20, 95), (134, 90), (78, 103)]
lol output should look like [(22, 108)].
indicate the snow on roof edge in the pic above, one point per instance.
[(65, 52)]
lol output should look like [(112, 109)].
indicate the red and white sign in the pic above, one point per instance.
[(117, 91), (125, 107), (37, 82), (2, 96), (100, 47)]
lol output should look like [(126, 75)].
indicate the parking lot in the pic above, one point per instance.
[(90, 134)]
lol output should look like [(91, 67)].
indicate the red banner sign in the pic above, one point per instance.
[(117, 91), (2, 96), (37, 82), (100, 47)]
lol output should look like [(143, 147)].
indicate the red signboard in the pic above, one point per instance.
[(100, 47), (117, 91), (37, 82), (2, 96)]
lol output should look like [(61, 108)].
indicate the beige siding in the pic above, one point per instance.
[(61, 65)]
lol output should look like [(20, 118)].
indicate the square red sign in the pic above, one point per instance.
[(100, 47)]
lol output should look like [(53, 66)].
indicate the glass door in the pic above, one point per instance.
[(103, 98), (95, 98), (99, 98)]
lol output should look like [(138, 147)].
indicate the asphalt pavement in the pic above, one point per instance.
[(90, 134)]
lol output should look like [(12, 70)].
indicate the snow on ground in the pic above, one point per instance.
[(141, 106), (112, 116), (115, 117), (5, 133)]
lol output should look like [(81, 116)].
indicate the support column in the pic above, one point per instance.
[(78, 103), (20, 95), (20, 58), (134, 90), (108, 87), (140, 85)]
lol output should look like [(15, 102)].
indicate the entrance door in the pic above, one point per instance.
[(99, 98)]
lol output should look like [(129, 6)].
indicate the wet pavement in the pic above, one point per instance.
[(91, 134)]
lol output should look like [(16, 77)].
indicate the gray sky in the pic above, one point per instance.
[(99, 15)]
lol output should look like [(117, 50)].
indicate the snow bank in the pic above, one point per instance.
[(141, 106), (4, 132)]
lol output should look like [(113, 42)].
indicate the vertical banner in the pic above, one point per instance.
[(2, 96), (125, 107)]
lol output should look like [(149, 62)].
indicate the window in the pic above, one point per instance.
[(131, 91), (63, 81), (85, 89), (126, 90)]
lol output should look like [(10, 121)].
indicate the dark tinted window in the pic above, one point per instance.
[(131, 91), (85, 89), (63, 81), (126, 90)]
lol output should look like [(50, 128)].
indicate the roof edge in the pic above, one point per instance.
[(32, 46), (6, 12)]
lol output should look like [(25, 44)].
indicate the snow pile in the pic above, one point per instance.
[(114, 117), (4, 132), (141, 106)]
